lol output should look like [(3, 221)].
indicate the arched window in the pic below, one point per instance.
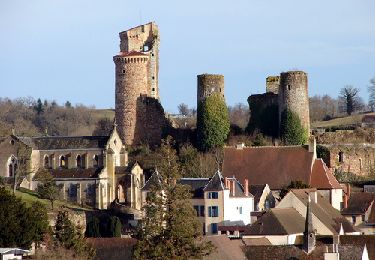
[(95, 160), (79, 161), (12, 166), (46, 162), (62, 162)]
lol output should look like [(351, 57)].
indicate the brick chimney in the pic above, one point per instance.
[(233, 187), (313, 195), (345, 201), (348, 190), (246, 187), (226, 183)]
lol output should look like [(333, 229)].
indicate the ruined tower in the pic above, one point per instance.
[(139, 114), (272, 84), (293, 95), (208, 84)]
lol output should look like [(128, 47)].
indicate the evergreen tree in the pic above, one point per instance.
[(20, 225), (39, 107), (291, 129), (170, 228), (115, 227), (47, 188), (92, 227), (213, 124)]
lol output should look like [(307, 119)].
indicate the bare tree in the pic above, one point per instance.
[(183, 109), (350, 99)]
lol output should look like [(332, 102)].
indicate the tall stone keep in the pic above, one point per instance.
[(208, 84), (139, 114), (293, 95), (145, 39)]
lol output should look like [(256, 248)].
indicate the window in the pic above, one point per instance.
[(354, 219), (213, 195), (213, 211), (123, 71), (46, 162), (363, 218), (79, 161), (62, 162), (240, 210), (153, 77), (12, 166), (95, 160), (289, 87), (341, 157), (214, 228), (199, 210)]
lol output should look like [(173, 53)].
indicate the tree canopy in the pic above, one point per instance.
[(212, 122), (170, 228), (349, 97)]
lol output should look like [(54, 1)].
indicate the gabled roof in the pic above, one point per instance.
[(324, 211), (65, 142), (359, 203), (277, 221), (257, 190), (276, 166), (322, 177), (215, 183), (154, 181), (75, 173), (196, 185)]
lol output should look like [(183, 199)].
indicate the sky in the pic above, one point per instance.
[(62, 49)]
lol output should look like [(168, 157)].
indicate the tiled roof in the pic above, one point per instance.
[(276, 166), (285, 221), (322, 177), (196, 185), (359, 203), (368, 240), (75, 173), (65, 142), (226, 249), (324, 211)]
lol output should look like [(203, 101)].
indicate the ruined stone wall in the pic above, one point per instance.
[(272, 84), (355, 158), (208, 84), (131, 83), (145, 38), (293, 95)]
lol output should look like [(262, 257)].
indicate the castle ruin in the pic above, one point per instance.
[(208, 84), (138, 112)]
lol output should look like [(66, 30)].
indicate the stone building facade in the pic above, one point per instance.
[(137, 90), (89, 170), (208, 84), (272, 84)]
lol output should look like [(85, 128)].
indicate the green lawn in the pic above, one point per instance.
[(341, 121)]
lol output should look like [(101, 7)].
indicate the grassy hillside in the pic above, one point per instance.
[(341, 121)]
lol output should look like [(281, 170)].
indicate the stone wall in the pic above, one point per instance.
[(208, 84), (355, 158), (293, 95), (272, 84)]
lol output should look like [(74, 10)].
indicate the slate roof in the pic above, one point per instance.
[(154, 180), (196, 185), (359, 203), (125, 169), (277, 221), (75, 173), (323, 210), (257, 190), (65, 142), (277, 166), (215, 183)]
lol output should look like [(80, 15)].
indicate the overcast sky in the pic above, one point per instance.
[(62, 49)]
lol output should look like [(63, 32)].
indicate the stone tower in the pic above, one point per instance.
[(139, 114), (145, 39), (208, 84), (293, 95), (272, 84)]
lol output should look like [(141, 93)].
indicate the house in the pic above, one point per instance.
[(360, 210), (12, 253), (91, 170), (223, 205), (263, 197), (278, 166)]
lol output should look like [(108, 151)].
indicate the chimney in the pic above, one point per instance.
[(234, 187), (226, 183), (348, 190), (313, 195), (312, 146), (345, 201), (246, 187)]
